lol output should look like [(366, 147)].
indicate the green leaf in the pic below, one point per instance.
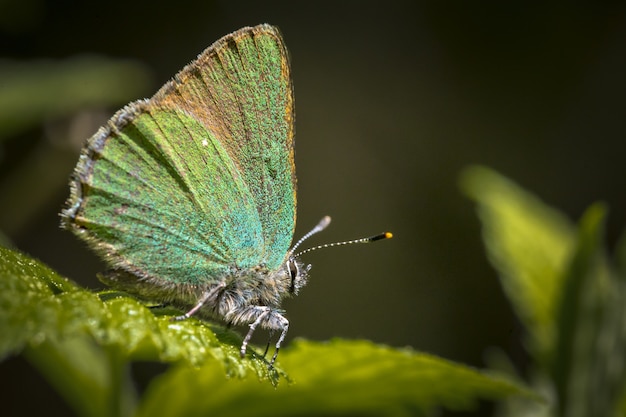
[(335, 378), (93, 379), (579, 323), (53, 307), (617, 313), (588, 370), (529, 244), (579, 316), (25, 285), (83, 342)]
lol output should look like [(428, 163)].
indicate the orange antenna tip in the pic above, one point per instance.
[(386, 235)]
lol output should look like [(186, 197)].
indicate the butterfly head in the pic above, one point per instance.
[(298, 274)]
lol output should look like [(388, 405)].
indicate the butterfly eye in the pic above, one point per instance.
[(294, 271)]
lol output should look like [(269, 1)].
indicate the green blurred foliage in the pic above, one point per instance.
[(83, 344), (566, 289), (37, 91)]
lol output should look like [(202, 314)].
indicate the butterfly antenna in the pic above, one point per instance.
[(323, 224), (385, 235)]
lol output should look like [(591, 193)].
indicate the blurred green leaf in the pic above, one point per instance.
[(529, 244), (93, 379), (617, 314), (336, 378), (83, 342), (588, 370), (566, 289)]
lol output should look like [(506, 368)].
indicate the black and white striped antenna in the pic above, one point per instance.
[(323, 224)]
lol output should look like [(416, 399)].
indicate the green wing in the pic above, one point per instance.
[(200, 178)]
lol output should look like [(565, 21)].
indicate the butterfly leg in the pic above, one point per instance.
[(280, 340), (263, 313), (273, 320), (206, 296), (269, 340)]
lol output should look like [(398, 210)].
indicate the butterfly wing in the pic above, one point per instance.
[(200, 178), (247, 85)]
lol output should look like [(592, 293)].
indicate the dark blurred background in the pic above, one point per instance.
[(393, 99)]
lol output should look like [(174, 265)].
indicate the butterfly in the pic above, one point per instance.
[(190, 196)]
